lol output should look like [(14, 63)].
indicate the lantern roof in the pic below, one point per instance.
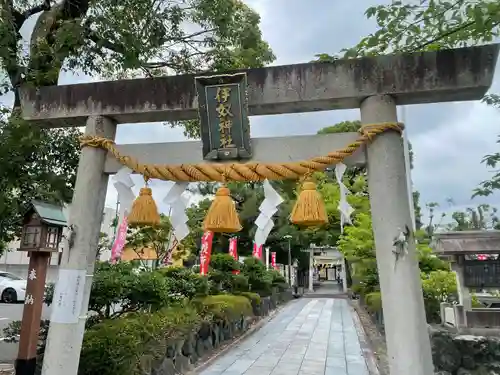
[(49, 213)]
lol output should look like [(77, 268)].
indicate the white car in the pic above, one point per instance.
[(12, 288)]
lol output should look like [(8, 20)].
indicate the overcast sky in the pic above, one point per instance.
[(449, 140)]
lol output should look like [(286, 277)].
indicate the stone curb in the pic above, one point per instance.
[(371, 361), (223, 350)]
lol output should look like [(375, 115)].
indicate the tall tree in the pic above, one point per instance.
[(430, 25), (158, 238), (482, 217), (107, 39)]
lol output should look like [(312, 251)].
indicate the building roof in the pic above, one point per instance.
[(467, 242), (49, 213)]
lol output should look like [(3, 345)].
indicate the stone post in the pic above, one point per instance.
[(344, 275), (442, 311), (464, 296), (407, 338), (311, 270), (67, 325)]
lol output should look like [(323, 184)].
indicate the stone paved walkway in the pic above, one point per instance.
[(308, 337)]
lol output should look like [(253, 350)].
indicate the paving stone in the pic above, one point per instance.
[(312, 366), (280, 371), (355, 358), (267, 361), (336, 362), (257, 370), (211, 372), (219, 367), (335, 371), (291, 362), (311, 372), (357, 368), (241, 365), (307, 337)]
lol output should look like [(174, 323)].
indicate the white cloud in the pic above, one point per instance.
[(447, 159)]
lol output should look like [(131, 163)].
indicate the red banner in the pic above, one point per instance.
[(206, 251), (273, 259), (257, 251), (233, 250)]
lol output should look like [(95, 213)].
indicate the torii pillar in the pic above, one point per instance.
[(406, 332), (72, 292)]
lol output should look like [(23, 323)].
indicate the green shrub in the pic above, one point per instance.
[(185, 282), (374, 301), (225, 306), (475, 301), (222, 275), (277, 278), (259, 279), (224, 263), (220, 281), (149, 290), (253, 297), (438, 286), (128, 345), (48, 294), (428, 261), (121, 285), (239, 283)]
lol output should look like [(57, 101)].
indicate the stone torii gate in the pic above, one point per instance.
[(375, 85)]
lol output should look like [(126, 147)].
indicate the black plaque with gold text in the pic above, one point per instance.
[(222, 105)]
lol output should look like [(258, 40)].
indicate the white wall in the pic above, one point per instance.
[(108, 216)]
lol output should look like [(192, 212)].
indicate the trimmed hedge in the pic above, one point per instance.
[(253, 297), (225, 306), (137, 342), (121, 346)]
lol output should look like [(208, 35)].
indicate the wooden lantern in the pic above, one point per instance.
[(42, 227), (42, 232)]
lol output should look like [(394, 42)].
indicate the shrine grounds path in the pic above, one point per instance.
[(309, 336)]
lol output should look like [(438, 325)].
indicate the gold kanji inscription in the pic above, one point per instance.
[(223, 94)]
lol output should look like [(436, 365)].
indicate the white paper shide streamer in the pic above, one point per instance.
[(267, 209), (178, 205), (344, 207), (123, 184)]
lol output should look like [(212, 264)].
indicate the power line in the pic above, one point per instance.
[(441, 36), (450, 32)]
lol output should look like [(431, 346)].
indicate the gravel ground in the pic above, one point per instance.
[(377, 341)]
